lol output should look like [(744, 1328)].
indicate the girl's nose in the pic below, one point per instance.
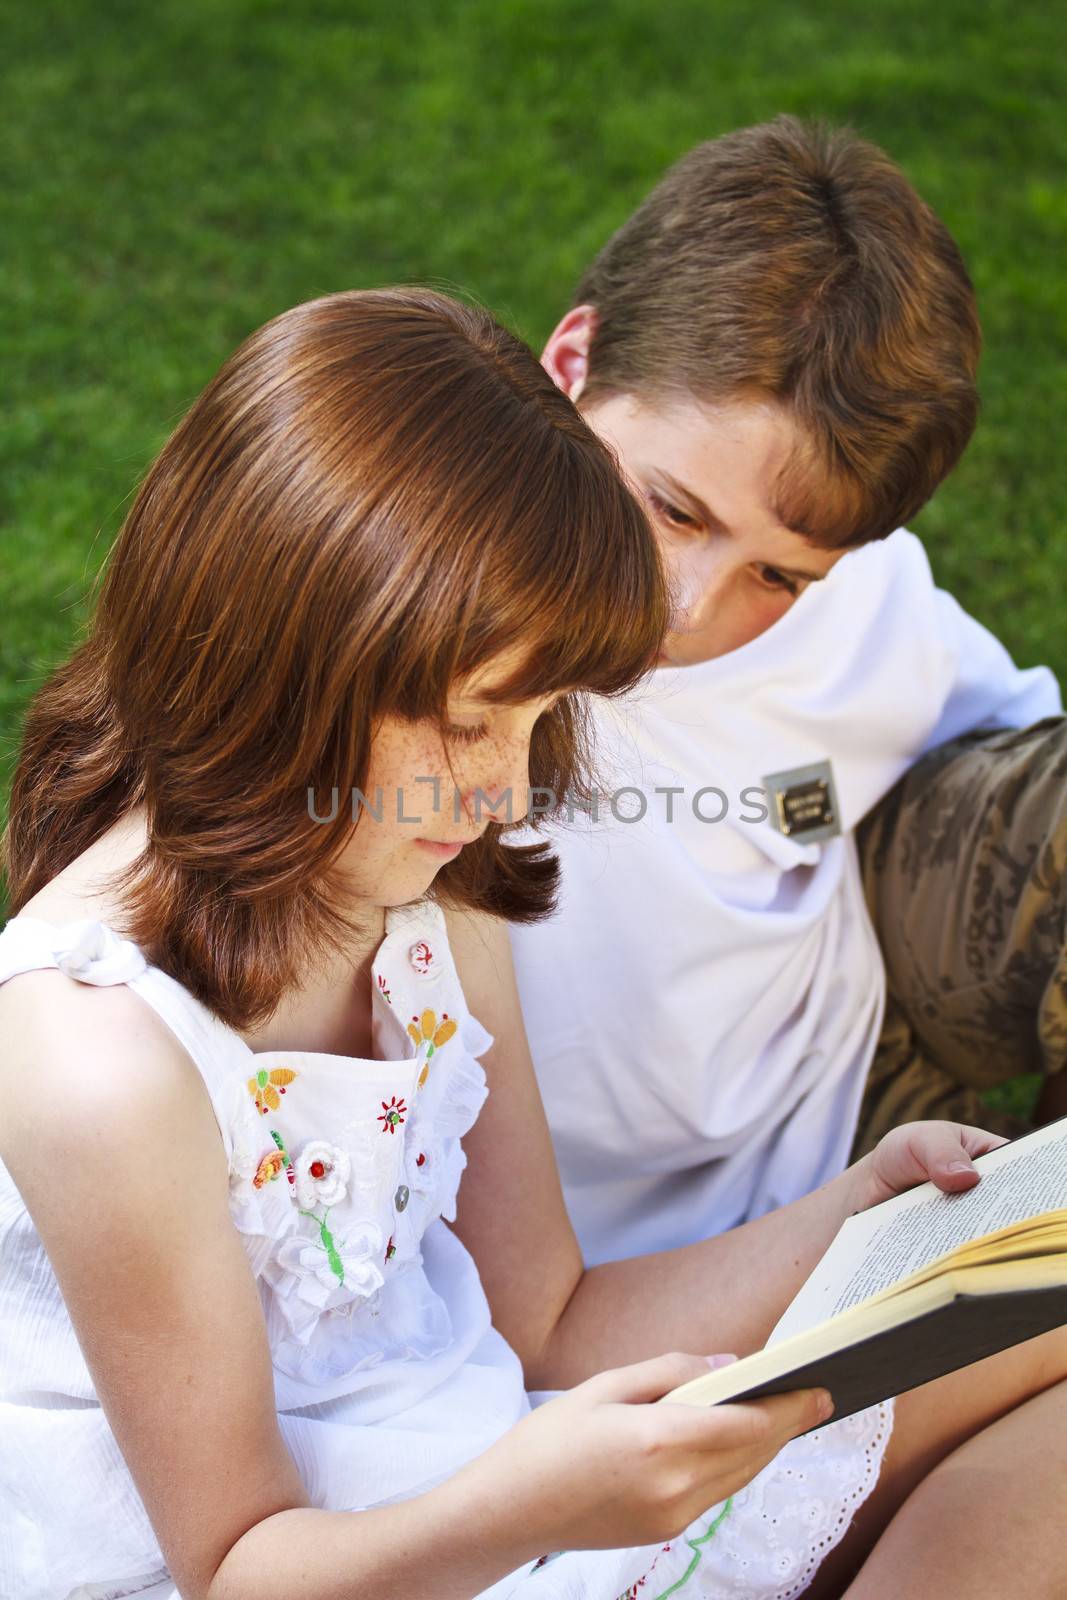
[(503, 795)]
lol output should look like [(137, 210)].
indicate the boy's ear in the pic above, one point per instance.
[(566, 355)]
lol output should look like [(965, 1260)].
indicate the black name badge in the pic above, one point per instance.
[(803, 802)]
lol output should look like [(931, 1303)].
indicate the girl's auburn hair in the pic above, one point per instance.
[(380, 491)]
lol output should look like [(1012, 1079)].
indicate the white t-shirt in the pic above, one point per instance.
[(704, 1008)]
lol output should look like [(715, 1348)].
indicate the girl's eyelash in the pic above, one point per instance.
[(460, 733), (466, 735)]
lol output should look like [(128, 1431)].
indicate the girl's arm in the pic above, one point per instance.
[(114, 1147), (110, 1137), (725, 1293)]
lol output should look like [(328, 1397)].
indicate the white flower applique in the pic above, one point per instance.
[(424, 961), (351, 1261), (319, 1173)]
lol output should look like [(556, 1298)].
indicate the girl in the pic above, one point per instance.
[(354, 607)]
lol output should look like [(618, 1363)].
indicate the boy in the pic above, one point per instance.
[(781, 346)]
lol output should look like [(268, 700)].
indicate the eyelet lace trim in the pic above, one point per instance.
[(779, 1529)]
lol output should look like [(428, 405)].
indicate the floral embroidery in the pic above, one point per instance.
[(428, 1034), (283, 1155), (327, 1242), (420, 1158), (423, 960), (632, 1592), (390, 1250), (383, 988), (265, 1087), (392, 1114), (544, 1561), (268, 1169), (321, 1174), (315, 1187), (333, 1261), (694, 1545)]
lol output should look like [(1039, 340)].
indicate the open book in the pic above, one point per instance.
[(921, 1285)]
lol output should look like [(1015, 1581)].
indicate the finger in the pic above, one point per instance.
[(645, 1381), (932, 1151), (722, 1471), (948, 1160), (746, 1426), (790, 1414), (978, 1142)]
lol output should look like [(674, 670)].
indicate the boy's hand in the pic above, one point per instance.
[(921, 1152)]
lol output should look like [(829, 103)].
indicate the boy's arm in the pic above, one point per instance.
[(909, 670), (988, 689), (567, 1322), (978, 684)]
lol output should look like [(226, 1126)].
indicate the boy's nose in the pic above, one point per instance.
[(699, 589)]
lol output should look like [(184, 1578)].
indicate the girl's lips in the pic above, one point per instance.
[(443, 852)]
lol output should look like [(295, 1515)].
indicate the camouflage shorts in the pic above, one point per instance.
[(965, 871)]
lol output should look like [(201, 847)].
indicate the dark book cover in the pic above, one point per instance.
[(966, 1330)]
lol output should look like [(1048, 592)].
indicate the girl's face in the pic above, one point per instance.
[(428, 795)]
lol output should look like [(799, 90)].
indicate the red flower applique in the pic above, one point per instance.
[(392, 1114)]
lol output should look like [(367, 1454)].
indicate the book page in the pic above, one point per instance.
[(879, 1247)]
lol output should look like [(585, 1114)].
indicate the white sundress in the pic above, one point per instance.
[(388, 1374)]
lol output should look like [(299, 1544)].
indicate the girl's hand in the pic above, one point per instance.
[(600, 1468), (921, 1152)]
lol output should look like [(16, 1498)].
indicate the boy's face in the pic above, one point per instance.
[(707, 477)]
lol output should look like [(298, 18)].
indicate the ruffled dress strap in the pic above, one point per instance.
[(86, 950), (415, 976)]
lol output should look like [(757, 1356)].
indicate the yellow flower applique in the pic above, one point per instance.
[(429, 1035), (266, 1087)]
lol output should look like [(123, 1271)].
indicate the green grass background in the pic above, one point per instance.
[(177, 173)]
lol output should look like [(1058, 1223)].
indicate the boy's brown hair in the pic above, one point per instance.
[(795, 262), (379, 493)]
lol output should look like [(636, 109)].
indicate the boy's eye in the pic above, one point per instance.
[(777, 580), (671, 513)]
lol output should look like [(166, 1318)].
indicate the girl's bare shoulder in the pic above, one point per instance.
[(76, 1054)]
